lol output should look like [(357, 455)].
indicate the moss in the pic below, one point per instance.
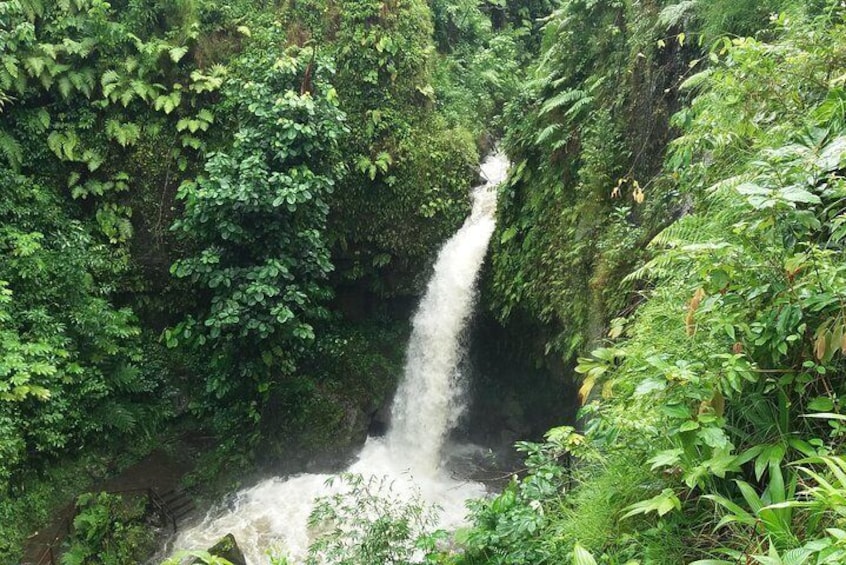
[(227, 548), (326, 410), (586, 193)]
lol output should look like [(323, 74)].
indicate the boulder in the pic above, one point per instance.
[(228, 549)]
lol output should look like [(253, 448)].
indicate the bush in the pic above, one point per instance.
[(109, 529), (367, 523)]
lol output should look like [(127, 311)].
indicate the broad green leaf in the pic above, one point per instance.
[(666, 458), (799, 194), (582, 556), (176, 53)]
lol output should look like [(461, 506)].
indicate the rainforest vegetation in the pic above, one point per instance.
[(215, 218)]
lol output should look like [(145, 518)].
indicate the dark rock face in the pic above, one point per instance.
[(512, 398), (228, 549)]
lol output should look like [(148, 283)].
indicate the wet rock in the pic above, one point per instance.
[(486, 143), (380, 421), (228, 549)]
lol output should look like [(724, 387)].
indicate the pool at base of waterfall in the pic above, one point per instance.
[(271, 518)]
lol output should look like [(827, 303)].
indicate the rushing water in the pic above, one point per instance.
[(272, 515)]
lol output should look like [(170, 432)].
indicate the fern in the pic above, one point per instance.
[(83, 81), (144, 90), (125, 134), (109, 77), (11, 149), (63, 144), (31, 8), (65, 87), (35, 66), (561, 99), (117, 416), (38, 121), (168, 102), (692, 235), (721, 190), (578, 106), (547, 133), (674, 14), (11, 77), (176, 53), (126, 379), (690, 229), (669, 262), (696, 81), (658, 267)]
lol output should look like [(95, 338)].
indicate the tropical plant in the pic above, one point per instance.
[(108, 529), (257, 220), (724, 386), (368, 522)]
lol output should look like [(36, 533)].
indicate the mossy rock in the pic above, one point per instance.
[(228, 549)]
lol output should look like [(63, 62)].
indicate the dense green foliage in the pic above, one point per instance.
[(410, 170), (713, 429), (219, 210), (585, 135), (78, 368), (108, 529), (712, 420), (258, 219), (184, 187), (69, 358)]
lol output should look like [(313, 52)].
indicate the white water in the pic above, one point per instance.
[(272, 516)]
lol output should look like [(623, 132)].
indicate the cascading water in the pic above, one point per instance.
[(428, 402), (272, 516)]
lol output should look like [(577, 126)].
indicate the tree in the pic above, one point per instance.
[(257, 217)]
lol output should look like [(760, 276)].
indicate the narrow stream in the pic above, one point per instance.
[(272, 515)]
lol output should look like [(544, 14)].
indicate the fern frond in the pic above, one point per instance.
[(658, 267), (578, 106), (109, 77), (546, 133), (11, 149), (693, 228), (673, 14), (125, 378), (561, 99), (118, 416), (727, 186), (32, 8), (677, 261), (692, 235)]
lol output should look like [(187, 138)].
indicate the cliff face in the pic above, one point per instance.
[(699, 256), (587, 136)]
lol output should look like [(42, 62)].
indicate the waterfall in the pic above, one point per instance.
[(272, 516), (428, 402)]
